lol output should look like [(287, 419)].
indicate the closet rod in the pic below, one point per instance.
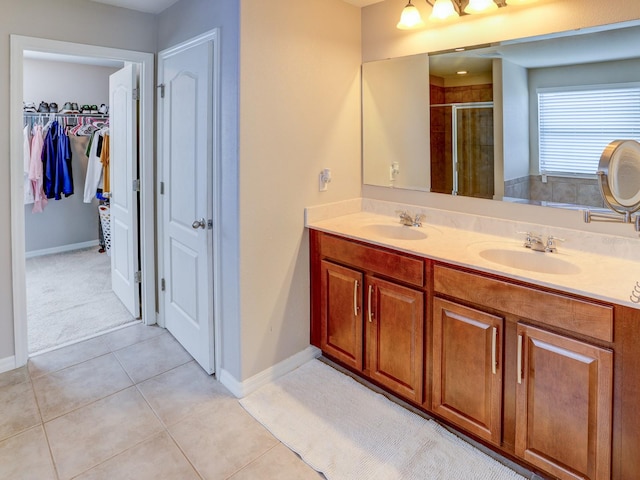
[(76, 115)]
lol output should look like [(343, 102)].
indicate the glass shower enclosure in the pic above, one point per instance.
[(462, 155)]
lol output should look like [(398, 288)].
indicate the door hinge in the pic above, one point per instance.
[(137, 277), (135, 93), (136, 185), (163, 285), (161, 188), (161, 87)]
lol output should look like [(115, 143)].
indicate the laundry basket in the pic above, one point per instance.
[(105, 221)]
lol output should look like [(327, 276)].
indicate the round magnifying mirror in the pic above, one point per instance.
[(619, 174)]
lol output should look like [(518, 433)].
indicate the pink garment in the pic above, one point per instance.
[(36, 170), (26, 160)]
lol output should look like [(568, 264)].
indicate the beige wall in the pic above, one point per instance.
[(381, 39), (67, 20), (299, 113)]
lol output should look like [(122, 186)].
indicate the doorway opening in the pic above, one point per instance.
[(31, 238), (67, 233)]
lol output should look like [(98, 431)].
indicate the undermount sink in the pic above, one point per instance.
[(396, 232), (525, 259)]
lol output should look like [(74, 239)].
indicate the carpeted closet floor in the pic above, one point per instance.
[(69, 297)]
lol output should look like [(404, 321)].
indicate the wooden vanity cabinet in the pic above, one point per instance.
[(368, 311), (395, 324), (341, 314), (467, 368), (557, 389), (564, 404), (534, 373)]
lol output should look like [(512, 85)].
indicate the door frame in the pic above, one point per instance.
[(214, 195), (145, 64)]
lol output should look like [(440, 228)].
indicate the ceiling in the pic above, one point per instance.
[(157, 6), (578, 48), (148, 6)]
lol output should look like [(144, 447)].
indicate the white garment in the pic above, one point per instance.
[(26, 161), (36, 173), (93, 180)]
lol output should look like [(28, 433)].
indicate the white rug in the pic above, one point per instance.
[(69, 298), (348, 432)]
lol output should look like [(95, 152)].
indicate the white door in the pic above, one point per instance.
[(187, 141), (124, 200)]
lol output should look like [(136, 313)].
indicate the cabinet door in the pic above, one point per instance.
[(564, 405), (341, 314), (467, 371), (395, 319)]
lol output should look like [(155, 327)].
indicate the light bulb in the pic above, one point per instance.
[(480, 6), (410, 18), (442, 10)]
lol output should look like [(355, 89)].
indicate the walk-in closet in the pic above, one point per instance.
[(67, 201)]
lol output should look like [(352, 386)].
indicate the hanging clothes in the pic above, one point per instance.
[(94, 180), (104, 159), (29, 197), (56, 160), (36, 174)]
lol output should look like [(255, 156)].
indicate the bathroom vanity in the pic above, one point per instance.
[(533, 354)]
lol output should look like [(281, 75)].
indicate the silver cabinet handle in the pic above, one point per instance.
[(202, 223), (356, 284), (370, 313), (519, 359), (494, 341)]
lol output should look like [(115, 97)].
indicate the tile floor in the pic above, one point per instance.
[(131, 404)]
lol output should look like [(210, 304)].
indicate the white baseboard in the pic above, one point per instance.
[(242, 389), (7, 364), (61, 248)]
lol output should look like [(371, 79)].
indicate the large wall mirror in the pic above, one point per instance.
[(523, 121)]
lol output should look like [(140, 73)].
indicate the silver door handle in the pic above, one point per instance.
[(494, 360), (202, 223), (519, 359)]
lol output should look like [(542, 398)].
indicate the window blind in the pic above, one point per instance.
[(576, 125)]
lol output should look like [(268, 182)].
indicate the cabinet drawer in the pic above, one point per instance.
[(575, 315), (400, 267)]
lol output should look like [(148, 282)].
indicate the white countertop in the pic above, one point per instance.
[(598, 276)]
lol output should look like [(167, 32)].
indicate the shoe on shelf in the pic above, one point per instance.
[(74, 107), (94, 109), (103, 109), (67, 108), (85, 109), (29, 107), (43, 107), (53, 107)]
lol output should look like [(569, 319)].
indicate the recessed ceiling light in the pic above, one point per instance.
[(462, 72)]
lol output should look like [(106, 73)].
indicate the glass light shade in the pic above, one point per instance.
[(442, 10), (410, 18), (480, 6)]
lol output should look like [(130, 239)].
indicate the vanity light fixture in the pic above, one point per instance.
[(442, 10), (445, 9), (410, 18), (480, 6)]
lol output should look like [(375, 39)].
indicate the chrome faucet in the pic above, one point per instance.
[(535, 243), (410, 221), (551, 244)]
